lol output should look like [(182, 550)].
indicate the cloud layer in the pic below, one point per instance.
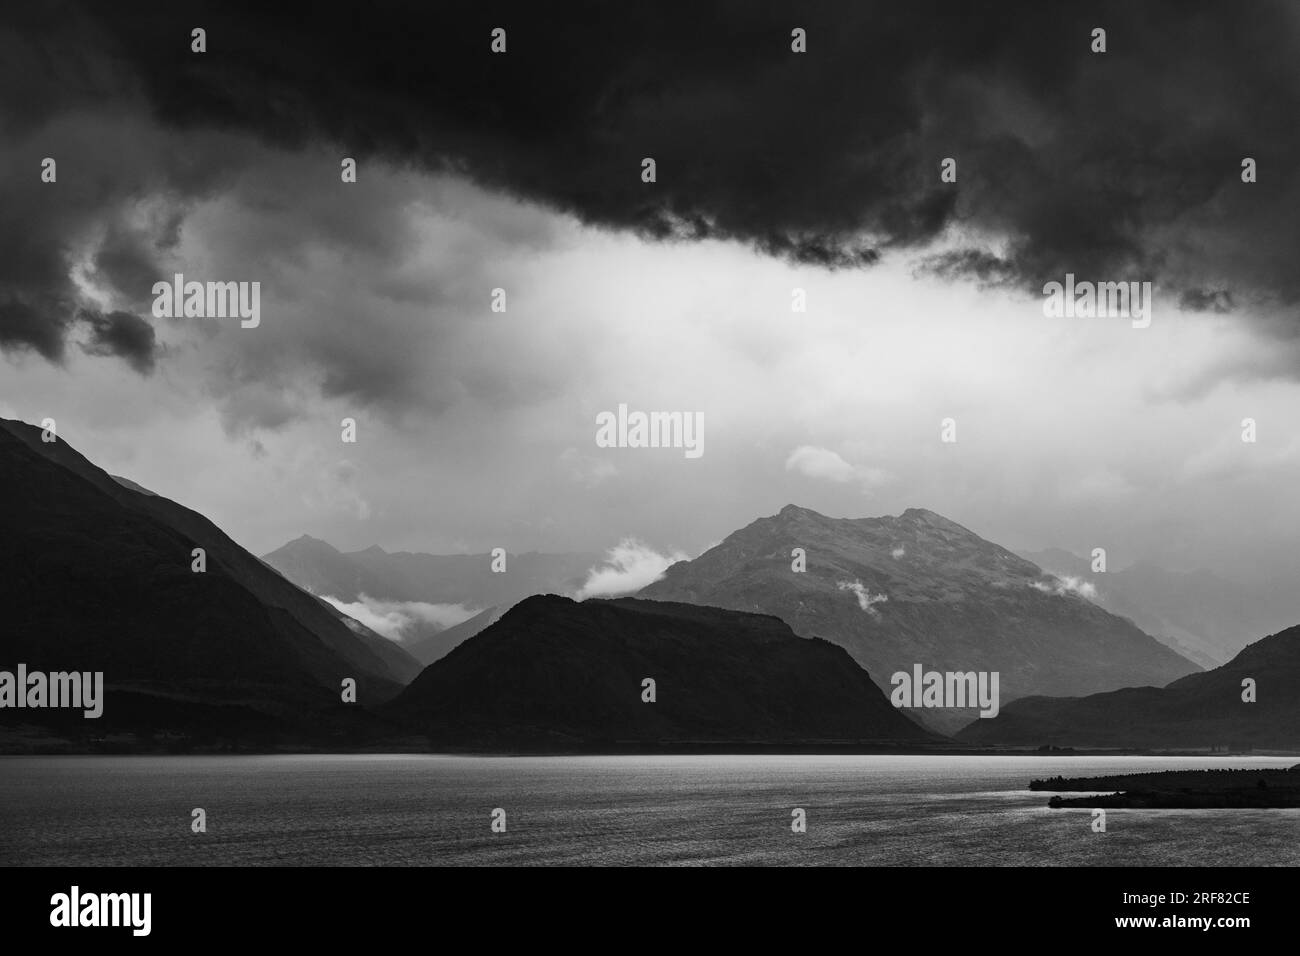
[(1068, 160), (775, 170)]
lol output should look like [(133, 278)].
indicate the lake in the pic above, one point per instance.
[(429, 810)]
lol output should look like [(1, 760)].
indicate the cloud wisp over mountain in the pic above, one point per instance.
[(629, 566)]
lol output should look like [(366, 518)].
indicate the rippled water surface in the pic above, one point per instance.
[(430, 810)]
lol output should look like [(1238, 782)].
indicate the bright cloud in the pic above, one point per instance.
[(629, 566), (394, 619), (827, 465)]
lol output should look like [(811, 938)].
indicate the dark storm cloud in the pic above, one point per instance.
[(1206, 300), (49, 227), (1117, 165), (119, 194), (27, 326), (122, 334)]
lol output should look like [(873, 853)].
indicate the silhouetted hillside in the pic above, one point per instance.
[(97, 577), (1199, 711), (557, 674)]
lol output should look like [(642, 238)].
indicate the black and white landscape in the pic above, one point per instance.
[(779, 432)]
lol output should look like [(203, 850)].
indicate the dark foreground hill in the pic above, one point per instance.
[(1200, 711), (96, 575), (561, 675)]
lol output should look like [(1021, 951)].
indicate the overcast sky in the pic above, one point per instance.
[(775, 171)]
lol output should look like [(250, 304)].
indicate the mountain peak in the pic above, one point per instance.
[(915, 515), (306, 543), (793, 511), (926, 515), (893, 590)]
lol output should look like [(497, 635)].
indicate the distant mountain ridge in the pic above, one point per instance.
[(1199, 711), (1203, 616), (920, 588), (430, 647), (462, 586), (465, 579)]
